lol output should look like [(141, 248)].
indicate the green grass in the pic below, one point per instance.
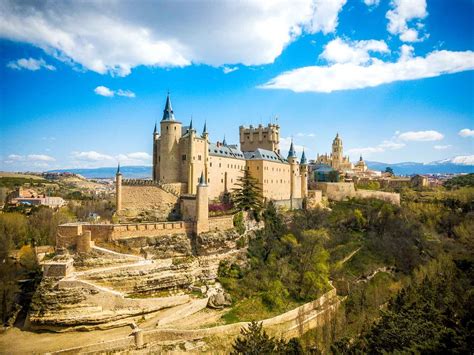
[(253, 308)]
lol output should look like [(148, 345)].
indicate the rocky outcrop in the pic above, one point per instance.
[(162, 247), (219, 300), (216, 242)]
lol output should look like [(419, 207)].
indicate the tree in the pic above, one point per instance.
[(248, 195), (389, 170), (254, 340)]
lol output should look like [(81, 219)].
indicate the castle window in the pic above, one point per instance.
[(210, 164), (222, 180), (183, 157), (167, 127), (199, 157), (159, 158)]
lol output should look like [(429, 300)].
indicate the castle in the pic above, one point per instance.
[(181, 155), (185, 160)]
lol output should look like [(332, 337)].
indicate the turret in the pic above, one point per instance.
[(118, 190), (202, 206), (168, 158), (156, 152), (304, 175)]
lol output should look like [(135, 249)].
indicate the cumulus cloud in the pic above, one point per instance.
[(349, 75), (380, 148), (40, 157), (356, 52), (228, 70), (372, 2), (105, 91), (137, 158), (30, 64), (466, 132), (421, 136), (401, 13), (115, 37), (442, 147), (91, 156)]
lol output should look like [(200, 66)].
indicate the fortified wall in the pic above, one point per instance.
[(339, 191), (72, 234)]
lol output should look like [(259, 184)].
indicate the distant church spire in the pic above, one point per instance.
[(361, 158), (168, 114), (291, 152)]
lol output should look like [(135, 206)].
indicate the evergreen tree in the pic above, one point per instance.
[(248, 195)]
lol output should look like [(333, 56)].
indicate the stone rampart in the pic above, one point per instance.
[(391, 197), (339, 191), (221, 223), (110, 232)]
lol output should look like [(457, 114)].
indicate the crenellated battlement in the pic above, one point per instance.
[(139, 182)]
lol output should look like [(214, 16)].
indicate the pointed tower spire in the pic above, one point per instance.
[(202, 182), (303, 159), (291, 152), (168, 114), (361, 158), (118, 169), (156, 129), (191, 123), (224, 143), (204, 130)]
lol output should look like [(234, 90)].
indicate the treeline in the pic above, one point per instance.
[(284, 266)]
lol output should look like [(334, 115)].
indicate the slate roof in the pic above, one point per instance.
[(228, 151), (263, 154)]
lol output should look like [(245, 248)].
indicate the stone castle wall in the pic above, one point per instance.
[(339, 191), (68, 233), (143, 197)]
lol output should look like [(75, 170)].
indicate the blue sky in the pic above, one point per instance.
[(82, 86)]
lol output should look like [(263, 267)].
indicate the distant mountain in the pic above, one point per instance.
[(455, 165), (128, 172)]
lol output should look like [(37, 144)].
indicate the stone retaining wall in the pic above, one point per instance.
[(221, 223), (287, 325), (339, 191)]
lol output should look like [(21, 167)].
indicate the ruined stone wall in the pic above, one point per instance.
[(221, 223)]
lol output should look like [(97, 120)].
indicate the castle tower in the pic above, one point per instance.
[(191, 163), (294, 172), (205, 136), (202, 207), (304, 175), (118, 190), (168, 167), (252, 138), (156, 152), (337, 152)]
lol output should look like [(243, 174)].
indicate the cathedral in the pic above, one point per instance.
[(181, 156), (336, 160)]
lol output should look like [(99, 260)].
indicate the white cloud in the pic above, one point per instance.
[(40, 157), (442, 147), (30, 64), (105, 91), (463, 160), (402, 12), (15, 157), (356, 52), (346, 76), (372, 2), (300, 134), (137, 158), (325, 15), (380, 148), (115, 37), (126, 93), (466, 132), (91, 156), (228, 70), (421, 136)]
